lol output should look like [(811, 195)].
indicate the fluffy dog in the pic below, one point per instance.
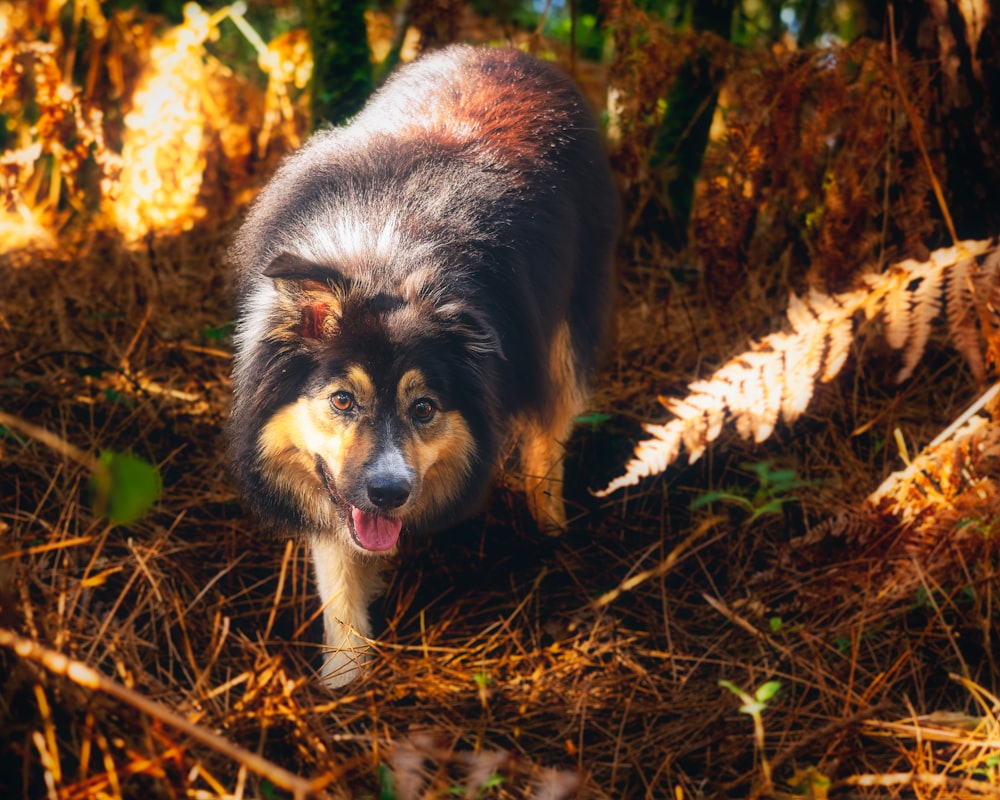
[(416, 290)]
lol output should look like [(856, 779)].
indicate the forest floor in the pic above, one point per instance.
[(746, 626), (593, 658)]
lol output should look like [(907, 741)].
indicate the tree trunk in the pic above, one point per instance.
[(342, 69), (962, 40), (680, 142)]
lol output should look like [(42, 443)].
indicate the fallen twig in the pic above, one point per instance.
[(84, 676)]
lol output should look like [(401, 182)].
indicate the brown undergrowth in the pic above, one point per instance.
[(594, 658), (173, 657)]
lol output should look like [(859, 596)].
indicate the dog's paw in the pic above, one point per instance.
[(545, 503), (343, 665), (552, 521)]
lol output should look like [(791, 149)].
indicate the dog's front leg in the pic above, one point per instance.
[(347, 584)]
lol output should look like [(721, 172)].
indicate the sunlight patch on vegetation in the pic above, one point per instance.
[(164, 152), (164, 155)]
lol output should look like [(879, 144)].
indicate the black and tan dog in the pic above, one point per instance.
[(415, 290)]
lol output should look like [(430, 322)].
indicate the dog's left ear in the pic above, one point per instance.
[(316, 292)]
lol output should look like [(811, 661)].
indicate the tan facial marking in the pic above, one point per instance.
[(439, 450), (411, 386), (356, 381), (299, 432), (443, 458)]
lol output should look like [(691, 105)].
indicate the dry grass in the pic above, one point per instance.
[(511, 665), (503, 651)]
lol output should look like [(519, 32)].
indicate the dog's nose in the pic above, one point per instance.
[(388, 492)]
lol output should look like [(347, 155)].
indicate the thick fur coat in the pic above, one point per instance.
[(416, 290)]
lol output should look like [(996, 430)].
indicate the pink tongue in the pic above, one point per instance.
[(375, 532)]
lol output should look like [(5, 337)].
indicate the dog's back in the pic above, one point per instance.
[(474, 149)]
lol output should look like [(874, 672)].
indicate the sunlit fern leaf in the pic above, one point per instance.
[(703, 418), (735, 386), (925, 306), (840, 337), (652, 456), (803, 359), (766, 414), (896, 305), (753, 396), (694, 423), (962, 316), (988, 306), (777, 377), (800, 315)]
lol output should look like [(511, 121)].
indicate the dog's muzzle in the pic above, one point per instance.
[(375, 531)]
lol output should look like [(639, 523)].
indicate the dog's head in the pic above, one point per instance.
[(389, 423)]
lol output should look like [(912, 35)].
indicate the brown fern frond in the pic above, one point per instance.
[(988, 305), (777, 376), (962, 316), (951, 475), (924, 305), (897, 306), (851, 526)]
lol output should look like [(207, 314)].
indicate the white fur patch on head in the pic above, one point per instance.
[(255, 325), (350, 240)]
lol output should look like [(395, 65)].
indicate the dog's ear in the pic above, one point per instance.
[(472, 327), (313, 292)]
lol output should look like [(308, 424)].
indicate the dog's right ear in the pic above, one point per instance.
[(314, 291)]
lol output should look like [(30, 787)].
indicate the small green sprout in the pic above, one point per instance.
[(774, 489), (754, 705)]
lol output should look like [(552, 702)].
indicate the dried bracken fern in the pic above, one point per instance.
[(777, 377), (952, 481), (51, 145), (788, 179), (154, 151)]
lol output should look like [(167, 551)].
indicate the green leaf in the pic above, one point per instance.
[(124, 487), (594, 419), (493, 781), (755, 705), (719, 495), (770, 507), (218, 333), (268, 791), (766, 691), (387, 782), (782, 479), (734, 689), (481, 679), (775, 624), (118, 398)]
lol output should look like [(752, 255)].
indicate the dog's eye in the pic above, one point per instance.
[(423, 410), (342, 401)]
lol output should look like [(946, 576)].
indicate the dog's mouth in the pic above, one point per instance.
[(374, 532)]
